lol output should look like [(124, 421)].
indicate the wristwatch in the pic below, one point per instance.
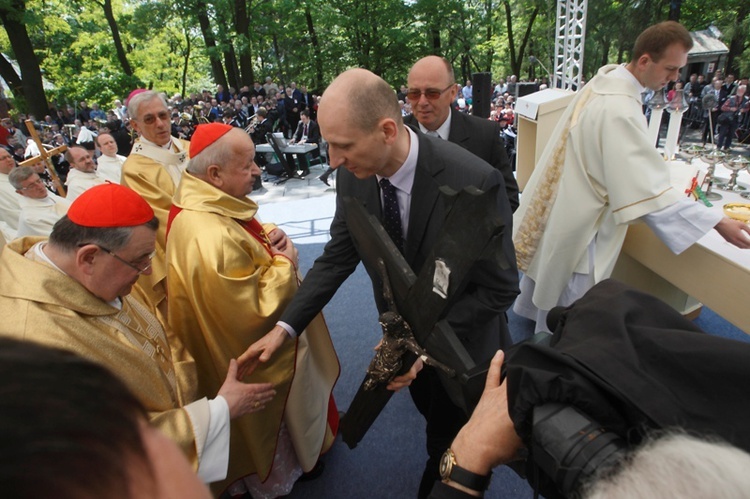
[(449, 470)]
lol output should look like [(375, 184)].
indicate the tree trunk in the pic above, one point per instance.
[(31, 89), (121, 56), (186, 61), (8, 73), (230, 62), (241, 26), (319, 78), (217, 69), (281, 67), (435, 32), (737, 44), (605, 52), (516, 59), (674, 10), (488, 38)]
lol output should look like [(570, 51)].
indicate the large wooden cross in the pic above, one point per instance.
[(471, 229), (45, 156)]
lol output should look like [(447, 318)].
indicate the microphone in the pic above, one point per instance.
[(533, 60)]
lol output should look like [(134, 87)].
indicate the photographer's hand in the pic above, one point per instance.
[(489, 438)]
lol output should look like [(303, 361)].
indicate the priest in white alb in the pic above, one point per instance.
[(598, 174)]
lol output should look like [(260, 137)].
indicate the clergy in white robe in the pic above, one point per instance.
[(598, 174), (40, 209), (82, 175), (10, 201), (109, 164)]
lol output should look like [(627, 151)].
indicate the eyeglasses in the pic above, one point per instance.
[(32, 184), (414, 94), (150, 119), (132, 265)]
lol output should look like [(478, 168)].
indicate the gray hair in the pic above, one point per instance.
[(19, 175), (134, 103), (69, 236), (678, 465)]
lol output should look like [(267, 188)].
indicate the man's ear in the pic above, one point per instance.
[(213, 175), (389, 129), (643, 61), (86, 256)]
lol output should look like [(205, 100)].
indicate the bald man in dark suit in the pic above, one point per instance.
[(372, 144), (431, 92)]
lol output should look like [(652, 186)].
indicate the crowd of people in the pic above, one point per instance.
[(152, 262), (718, 106)]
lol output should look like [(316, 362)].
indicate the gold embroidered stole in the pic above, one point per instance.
[(174, 162), (141, 328), (531, 228)]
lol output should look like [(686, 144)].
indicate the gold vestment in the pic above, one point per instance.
[(154, 183), (226, 291), (39, 303)]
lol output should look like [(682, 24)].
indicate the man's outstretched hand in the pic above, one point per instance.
[(261, 351)]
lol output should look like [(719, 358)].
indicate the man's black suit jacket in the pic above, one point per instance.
[(313, 132), (478, 315), (481, 137), (313, 135)]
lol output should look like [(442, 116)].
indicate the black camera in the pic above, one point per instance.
[(570, 447)]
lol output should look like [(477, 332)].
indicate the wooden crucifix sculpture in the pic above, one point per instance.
[(45, 155), (418, 303)]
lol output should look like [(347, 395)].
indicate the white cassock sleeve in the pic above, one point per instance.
[(680, 225), (210, 420)]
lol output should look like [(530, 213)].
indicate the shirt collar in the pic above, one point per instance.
[(403, 179), (167, 146), (443, 130), (622, 72)]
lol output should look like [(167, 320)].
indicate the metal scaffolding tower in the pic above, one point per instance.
[(570, 37)]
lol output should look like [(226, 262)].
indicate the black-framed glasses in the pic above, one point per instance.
[(132, 265), (414, 94)]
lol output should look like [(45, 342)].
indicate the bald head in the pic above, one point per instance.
[(438, 67), (368, 94), (360, 118), (431, 75)]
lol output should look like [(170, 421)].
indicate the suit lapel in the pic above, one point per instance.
[(424, 195), (370, 197), (458, 132)]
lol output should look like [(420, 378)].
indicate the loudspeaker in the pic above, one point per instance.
[(525, 88), (481, 94)]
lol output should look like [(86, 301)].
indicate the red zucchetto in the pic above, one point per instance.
[(110, 205), (133, 94), (205, 135)]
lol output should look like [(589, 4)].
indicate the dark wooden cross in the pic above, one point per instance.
[(470, 231), (45, 156)]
